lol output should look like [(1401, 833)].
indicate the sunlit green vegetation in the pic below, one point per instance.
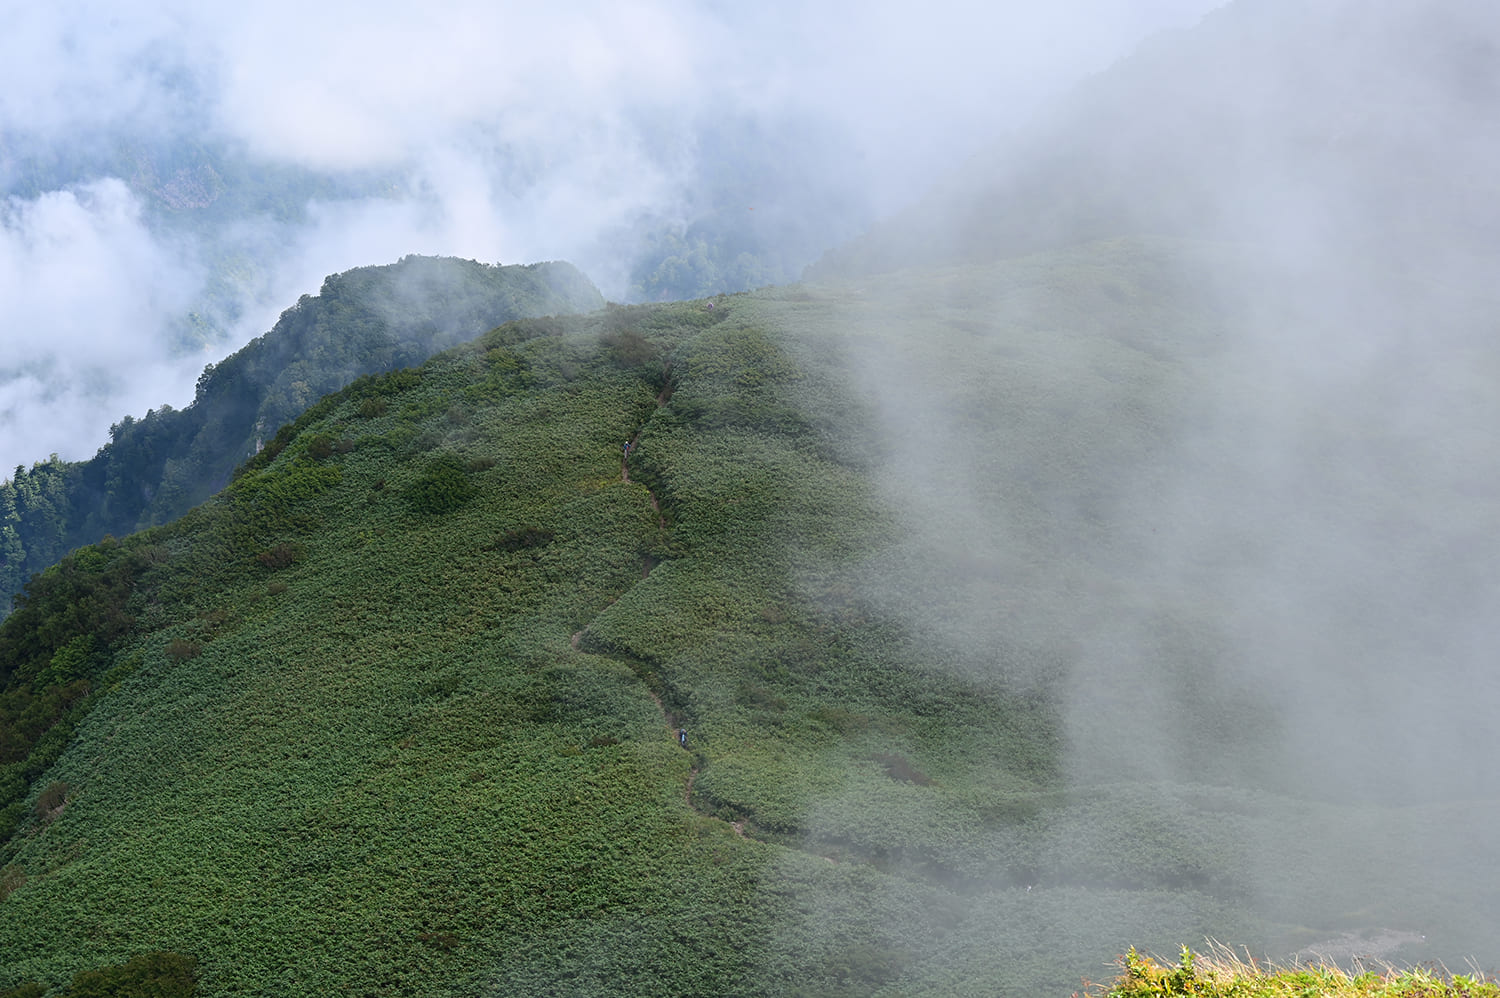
[(1221, 973)]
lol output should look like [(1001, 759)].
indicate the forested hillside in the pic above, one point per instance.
[(363, 321)]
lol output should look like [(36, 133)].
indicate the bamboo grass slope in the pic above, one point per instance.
[(451, 692)]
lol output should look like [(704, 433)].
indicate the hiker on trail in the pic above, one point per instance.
[(682, 737)]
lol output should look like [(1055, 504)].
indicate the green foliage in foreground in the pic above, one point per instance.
[(1221, 975), (396, 712)]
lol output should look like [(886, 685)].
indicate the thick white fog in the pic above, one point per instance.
[(508, 133), (1232, 466)]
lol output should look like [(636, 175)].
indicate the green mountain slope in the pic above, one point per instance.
[(941, 633), (397, 713), (363, 321)]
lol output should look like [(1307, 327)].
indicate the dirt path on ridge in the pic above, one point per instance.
[(670, 723)]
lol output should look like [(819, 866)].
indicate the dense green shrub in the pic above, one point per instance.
[(442, 488), (522, 538), (322, 446), (282, 555), (150, 975), (84, 598), (28, 990), (629, 348), (156, 468), (385, 385), (276, 501), (77, 659)]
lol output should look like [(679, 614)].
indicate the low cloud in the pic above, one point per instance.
[(467, 129), (82, 280), (343, 91)]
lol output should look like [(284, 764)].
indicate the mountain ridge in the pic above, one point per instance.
[(362, 321)]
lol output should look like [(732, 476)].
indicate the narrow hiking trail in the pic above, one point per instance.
[(662, 398), (674, 729), (670, 722)]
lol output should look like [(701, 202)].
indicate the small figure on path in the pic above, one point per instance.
[(682, 737)]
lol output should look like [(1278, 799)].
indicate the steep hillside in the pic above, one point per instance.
[(399, 711), (1116, 568), (363, 321)]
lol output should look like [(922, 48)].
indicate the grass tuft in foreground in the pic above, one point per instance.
[(1220, 973)]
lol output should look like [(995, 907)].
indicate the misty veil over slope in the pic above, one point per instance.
[(1338, 163), (1103, 552), (1294, 585)]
